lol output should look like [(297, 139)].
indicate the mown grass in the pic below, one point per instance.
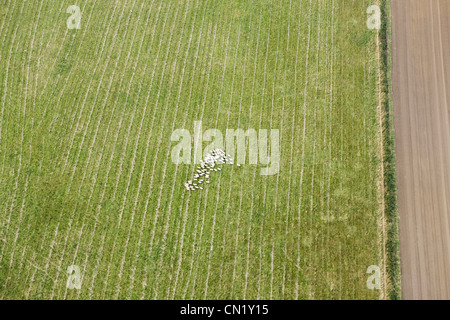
[(92, 182)]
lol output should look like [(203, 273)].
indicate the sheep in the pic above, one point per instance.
[(208, 165)]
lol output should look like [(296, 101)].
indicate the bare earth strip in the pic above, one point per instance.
[(421, 82)]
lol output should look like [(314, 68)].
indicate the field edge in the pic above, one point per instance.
[(392, 244)]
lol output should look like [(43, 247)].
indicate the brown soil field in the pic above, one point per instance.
[(421, 92)]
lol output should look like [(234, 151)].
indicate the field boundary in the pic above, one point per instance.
[(391, 242)]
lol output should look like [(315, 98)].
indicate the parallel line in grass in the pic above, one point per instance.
[(311, 294), (21, 153), (105, 140), (184, 124), (342, 161), (331, 114), (134, 156), (102, 47), (22, 139), (232, 171), (8, 8), (71, 71), (53, 37), (206, 193), (281, 135), (351, 291), (79, 87), (193, 252), (126, 138), (305, 95), (113, 110), (73, 127), (54, 34), (114, 145), (5, 286), (119, 175), (5, 90), (29, 225), (217, 202), (33, 275), (323, 180), (53, 241), (294, 113), (327, 99), (36, 76), (87, 126), (201, 117), (96, 269), (333, 58), (205, 196), (39, 56), (133, 269), (283, 281), (260, 121), (276, 188), (144, 282), (220, 176), (75, 254), (67, 128), (365, 78), (368, 144), (9, 12), (193, 246), (11, 197), (122, 76), (26, 88), (62, 12), (154, 111), (45, 231), (112, 155), (32, 264), (99, 209), (5, 222), (256, 168), (87, 163), (192, 170), (215, 125), (166, 224), (18, 172), (22, 259)]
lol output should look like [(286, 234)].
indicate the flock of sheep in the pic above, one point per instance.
[(208, 165)]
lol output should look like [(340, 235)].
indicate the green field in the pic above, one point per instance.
[(86, 173)]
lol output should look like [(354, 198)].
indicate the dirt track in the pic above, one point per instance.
[(421, 89)]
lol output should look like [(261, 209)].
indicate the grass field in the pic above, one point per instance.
[(85, 153)]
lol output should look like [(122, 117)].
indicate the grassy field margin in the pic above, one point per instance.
[(390, 182)]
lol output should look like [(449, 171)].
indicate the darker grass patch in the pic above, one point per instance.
[(390, 182)]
